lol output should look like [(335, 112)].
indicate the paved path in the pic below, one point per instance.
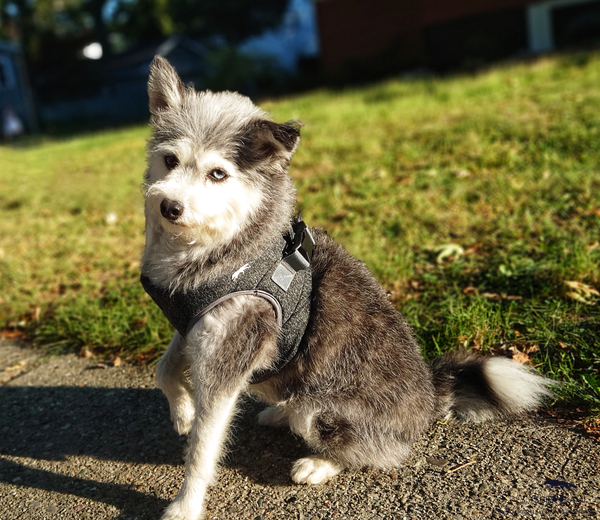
[(80, 440)]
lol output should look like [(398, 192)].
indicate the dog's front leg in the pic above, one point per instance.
[(170, 378), (204, 451), (225, 348)]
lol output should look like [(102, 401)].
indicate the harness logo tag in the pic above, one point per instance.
[(236, 275)]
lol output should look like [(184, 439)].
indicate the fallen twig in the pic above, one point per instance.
[(457, 467)]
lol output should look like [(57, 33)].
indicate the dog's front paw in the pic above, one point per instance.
[(178, 511), (314, 470), (273, 416), (182, 415)]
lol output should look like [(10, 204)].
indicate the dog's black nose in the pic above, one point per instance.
[(171, 209)]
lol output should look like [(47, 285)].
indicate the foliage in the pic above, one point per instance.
[(54, 34), (42, 24), (474, 200), (229, 69), (231, 21)]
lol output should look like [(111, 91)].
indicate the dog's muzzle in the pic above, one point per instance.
[(171, 209)]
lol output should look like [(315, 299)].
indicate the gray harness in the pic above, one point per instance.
[(281, 275)]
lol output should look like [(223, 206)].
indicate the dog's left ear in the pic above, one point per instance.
[(269, 141), (287, 135), (165, 88)]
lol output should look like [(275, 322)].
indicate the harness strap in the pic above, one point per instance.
[(284, 357), (255, 292)]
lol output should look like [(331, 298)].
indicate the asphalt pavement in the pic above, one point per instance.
[(82, 439)]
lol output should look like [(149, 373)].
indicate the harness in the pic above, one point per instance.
[(281, 275)]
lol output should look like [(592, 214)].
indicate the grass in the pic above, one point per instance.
[(474, 200)]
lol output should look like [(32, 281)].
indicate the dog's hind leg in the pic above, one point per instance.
[(314, 469), (274, 416), (348, 435), (226, 347), (170, 378)]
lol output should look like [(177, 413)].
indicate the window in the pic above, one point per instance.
[(7, 75)]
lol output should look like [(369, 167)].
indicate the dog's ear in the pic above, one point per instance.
[(269, 141), (287, 135), (165, 89)]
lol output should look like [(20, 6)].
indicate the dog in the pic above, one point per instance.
[(264, 304)]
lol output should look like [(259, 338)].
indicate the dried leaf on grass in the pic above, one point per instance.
[(580, 292), (473, 291), (521, 357), (12, 333), (86, 353), (449, 252), (520, 351), (592, 427), (498, 297)]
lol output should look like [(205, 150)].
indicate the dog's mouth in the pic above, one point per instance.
[(183, 222), (190, 233), (176, 223)]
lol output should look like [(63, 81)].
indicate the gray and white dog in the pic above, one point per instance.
[(264, 305)]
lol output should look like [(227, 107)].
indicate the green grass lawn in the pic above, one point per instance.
[(475, 200)]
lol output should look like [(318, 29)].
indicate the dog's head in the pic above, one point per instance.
[(217, 164)]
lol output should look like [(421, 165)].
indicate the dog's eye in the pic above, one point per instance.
[(171, 161), (218, 175)]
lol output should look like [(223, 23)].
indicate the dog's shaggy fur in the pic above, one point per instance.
[(359, 392)]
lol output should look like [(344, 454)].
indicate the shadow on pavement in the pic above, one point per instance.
[(130, 425)]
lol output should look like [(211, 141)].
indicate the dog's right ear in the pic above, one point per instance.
[(165, 88)]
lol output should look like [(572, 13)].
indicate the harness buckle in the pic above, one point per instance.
[(296, 256)]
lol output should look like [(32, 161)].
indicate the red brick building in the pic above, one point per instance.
[(388, 34)]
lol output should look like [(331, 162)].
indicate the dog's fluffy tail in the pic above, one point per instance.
[(474, 388)]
